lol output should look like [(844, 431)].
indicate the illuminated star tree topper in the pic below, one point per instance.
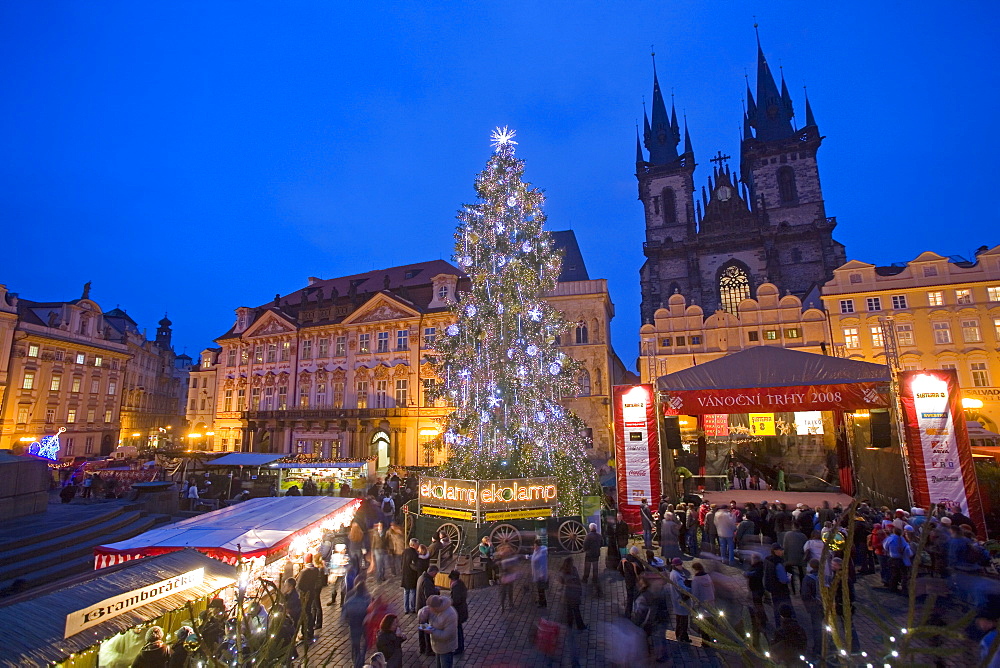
[(499, 360)]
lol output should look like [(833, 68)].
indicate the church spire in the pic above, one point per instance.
[(639, 159), (810, 119), (687, 138), (772, 112), (662, 136)]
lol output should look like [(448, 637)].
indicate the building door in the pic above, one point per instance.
[(380, 443)]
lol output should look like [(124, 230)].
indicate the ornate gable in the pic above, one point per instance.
[(379, 308), (269, 325)]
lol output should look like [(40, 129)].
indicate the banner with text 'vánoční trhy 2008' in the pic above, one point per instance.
[(637, 449)]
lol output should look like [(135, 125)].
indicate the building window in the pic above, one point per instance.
[(307, 349), (786, 186), (272, 353), (71, 415), (402, 339), (680, 341), (583, 380), (734, 287), (338, 395), (114, 365), (362, 392), (980, 376), (286, 351), (340, 349), (98, 361), (282, 398), (55, 382), (255, 398), (69, 446), (429, 387), (899, 302), (191, 404), (227, 401), (76, 384), (851, 337), (904, 334), (878, 341), (382, 342), (59, 356), (81, 358), (28, 381), (949, 365), (324, 347), (963, 296), (91, 415), (204, 382), (793, 333), (321, 395), (669, 206), (112, 387), (303, 397), (874, 303), (581, 333), (971, 332), (32, 350), (935, 298), (107, 416), (857, 278), (666, 343), (258, 354), (268, 402), (244, 354), (194, 383), (942, 332), (930, 271), (241, 399), (50, 415), (23, 413), (695, 340), (95, 386), (88, 445), (770, 335), (402, 386), (430, 333), (993, 293), (231, 357), (364, 343), (381, 393), (996, 328), (753, 336)]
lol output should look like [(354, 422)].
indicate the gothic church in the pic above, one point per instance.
[(766, 224)]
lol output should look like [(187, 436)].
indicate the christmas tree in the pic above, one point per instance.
[(499, 361)]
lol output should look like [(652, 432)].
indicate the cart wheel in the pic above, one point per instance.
[(571, 535), (506, 534), (453, 533)]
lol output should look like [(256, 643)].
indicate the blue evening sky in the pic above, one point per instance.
[(193, 157)]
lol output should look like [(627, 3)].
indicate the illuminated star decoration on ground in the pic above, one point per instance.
[(502, 137), (48, 446)]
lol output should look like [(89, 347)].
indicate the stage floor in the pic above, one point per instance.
[(812, 499)]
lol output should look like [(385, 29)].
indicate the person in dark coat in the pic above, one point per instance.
[(408, 579), (390, 642), (459, 601), (155, 653), (178, 652), (591, 557), (293, 604), (310, 584), (425, 589), (790, 640), (646, 515)]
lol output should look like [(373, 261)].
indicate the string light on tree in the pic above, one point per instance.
[(499, 361)]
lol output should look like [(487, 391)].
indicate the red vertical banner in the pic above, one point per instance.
[(937, 442), (637, 449), (716, 424)]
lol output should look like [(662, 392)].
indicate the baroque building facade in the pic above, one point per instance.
[(680, 335), (342, 369), (69, 364), (765, 224), (933, 312), (202, 400)]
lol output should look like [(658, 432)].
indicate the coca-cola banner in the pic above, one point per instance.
[(637, 449), (937, 442), (844, 396)]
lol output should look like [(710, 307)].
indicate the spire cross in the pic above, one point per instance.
[(720, 158)]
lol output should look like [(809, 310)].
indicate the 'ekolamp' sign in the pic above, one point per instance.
[(488, 495)]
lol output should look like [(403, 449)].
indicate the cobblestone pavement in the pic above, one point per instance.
[(495, 637)]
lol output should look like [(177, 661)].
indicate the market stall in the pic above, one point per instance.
[(67, 624), (265, 473), (266, 532), (804, 414)]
